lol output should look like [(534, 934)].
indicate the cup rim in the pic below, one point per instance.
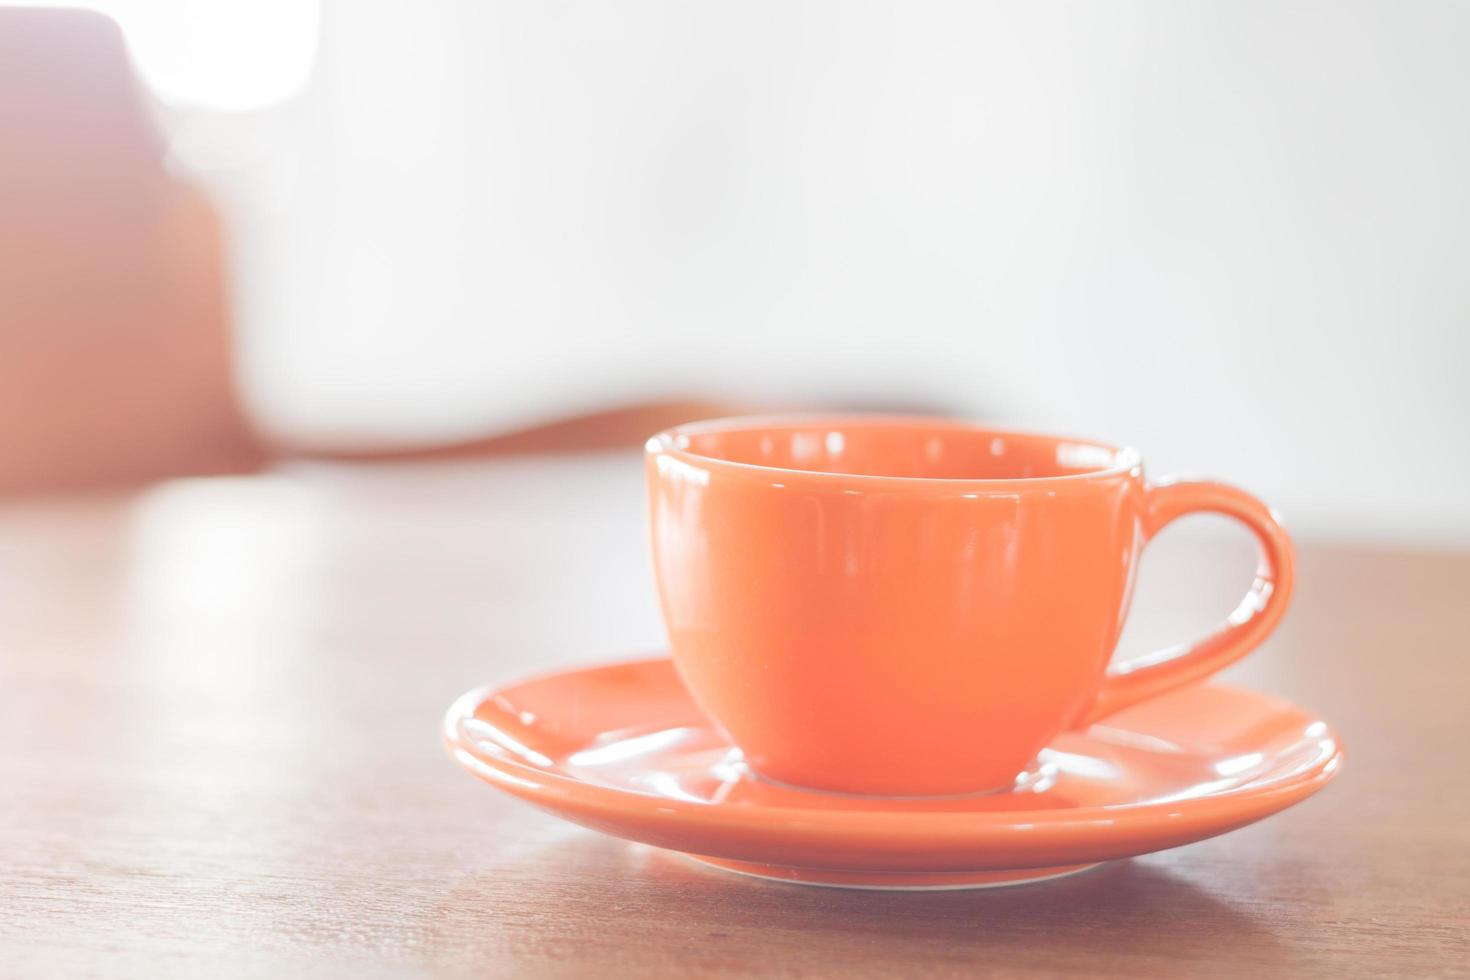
[(673, 442)]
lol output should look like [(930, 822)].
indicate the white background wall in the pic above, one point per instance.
[(1235, 234)]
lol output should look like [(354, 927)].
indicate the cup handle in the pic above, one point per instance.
[(1243, 630)]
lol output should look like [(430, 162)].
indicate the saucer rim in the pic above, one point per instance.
[(1246, 803)]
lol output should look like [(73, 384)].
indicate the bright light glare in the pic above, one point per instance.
[(1239, 764), (224, 55), (629, 748)]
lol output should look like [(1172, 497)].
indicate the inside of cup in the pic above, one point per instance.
[(915, 450)]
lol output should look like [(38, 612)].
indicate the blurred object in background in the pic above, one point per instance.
[(114, 326)]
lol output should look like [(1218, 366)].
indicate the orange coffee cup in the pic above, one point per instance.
[(915, 606)]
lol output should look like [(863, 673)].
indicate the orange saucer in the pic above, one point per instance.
[(622, 749)]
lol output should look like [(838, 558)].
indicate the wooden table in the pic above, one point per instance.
[(221, 757)]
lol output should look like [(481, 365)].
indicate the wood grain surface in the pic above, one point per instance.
[(220, 757)]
